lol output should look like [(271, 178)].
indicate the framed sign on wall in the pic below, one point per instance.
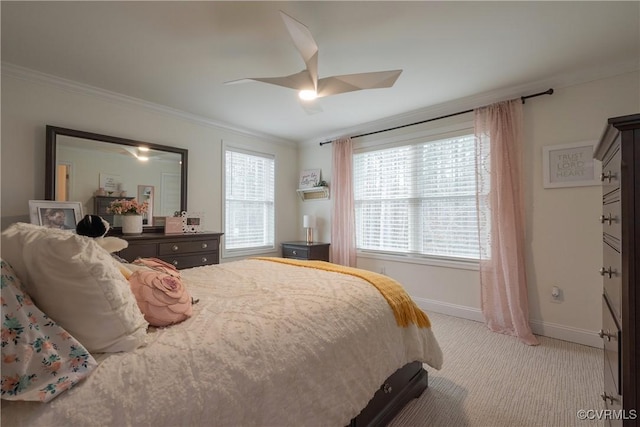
[(570, 165), (309, 178)]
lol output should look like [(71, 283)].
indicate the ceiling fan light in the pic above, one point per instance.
[(307, 95)]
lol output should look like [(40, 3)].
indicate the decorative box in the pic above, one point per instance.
[(173, 225)]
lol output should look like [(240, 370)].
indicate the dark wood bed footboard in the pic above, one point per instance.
[(405, 384)]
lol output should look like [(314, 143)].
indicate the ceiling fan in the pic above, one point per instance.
[(307, 83)]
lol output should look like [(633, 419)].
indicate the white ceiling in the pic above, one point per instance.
[(179, 54)]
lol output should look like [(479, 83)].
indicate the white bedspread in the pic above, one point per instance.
[(268, 345)]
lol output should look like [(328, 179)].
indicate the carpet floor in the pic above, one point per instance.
[(493, 380)]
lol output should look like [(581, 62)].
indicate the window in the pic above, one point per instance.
[(249, 201), (418, 199)]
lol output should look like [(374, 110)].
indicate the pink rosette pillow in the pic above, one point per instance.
[(159, 292)]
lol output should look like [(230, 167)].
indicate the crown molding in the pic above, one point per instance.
[(486, 98), (30, 75)]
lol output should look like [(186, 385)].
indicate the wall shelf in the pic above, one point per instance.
[(313, 193)]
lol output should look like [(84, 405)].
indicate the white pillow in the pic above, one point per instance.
[(78, 284)]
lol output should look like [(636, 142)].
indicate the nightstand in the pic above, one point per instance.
[(304, 250)]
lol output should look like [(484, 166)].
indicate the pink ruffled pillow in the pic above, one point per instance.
[(159, 292)]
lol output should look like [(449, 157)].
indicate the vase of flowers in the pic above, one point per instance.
[(131, 214)]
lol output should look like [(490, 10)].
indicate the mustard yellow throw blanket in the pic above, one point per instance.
[(404, 309)]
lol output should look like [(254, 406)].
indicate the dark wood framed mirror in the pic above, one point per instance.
[(78, 164)]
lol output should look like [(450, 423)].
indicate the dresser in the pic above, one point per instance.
[(304, 250), (181, 250), (619, 152)]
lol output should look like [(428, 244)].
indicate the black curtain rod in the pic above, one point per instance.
[(523, 98)]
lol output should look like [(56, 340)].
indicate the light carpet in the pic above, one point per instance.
[(494, 380)]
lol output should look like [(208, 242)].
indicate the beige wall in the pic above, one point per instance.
[(563, 234), (29, 105), (564, 243)]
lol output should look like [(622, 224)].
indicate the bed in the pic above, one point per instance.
[(267, 344)]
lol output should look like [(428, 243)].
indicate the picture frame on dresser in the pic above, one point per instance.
[(192, 222), (570, 165), (54, 214)]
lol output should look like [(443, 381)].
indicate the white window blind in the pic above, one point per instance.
[(418, 199), (249, 200)]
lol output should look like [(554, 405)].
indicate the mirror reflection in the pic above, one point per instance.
[(96, 172), (145, 194)]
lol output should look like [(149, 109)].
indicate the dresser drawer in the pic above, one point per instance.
[(181, 250), (611, 214), (613, 400), (134, 251), (611, 275), (188, 261), (611, 167), (185, 247), (611, 337)]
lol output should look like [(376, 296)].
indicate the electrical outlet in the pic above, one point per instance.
[(557, 295)]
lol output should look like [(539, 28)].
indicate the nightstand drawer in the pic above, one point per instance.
[(295, 252), (185, 247), (303, 250)]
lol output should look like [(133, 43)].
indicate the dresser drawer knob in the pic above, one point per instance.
[(175, 248), (607, 271), (608, 219), (175, 262), (386, 388), (204, 260), (608, 176), (609, 336), (294, 252), (205, 246), (610, 398)]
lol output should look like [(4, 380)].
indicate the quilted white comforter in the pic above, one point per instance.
[(268, 345)]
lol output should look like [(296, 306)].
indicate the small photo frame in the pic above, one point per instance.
[(570, 165), (192, 222), (54, 214), (309, 178)]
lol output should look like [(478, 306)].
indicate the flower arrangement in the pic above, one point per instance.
[(127, 207)]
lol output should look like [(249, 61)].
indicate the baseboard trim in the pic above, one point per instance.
[(546, 329), (454, 310), (566, 333)]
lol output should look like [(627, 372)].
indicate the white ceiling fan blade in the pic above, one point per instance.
[(352, 82), (312, 69), (304, 42), (307, 80), (298, 81)]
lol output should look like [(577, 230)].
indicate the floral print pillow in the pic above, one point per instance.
[(40, 360)]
